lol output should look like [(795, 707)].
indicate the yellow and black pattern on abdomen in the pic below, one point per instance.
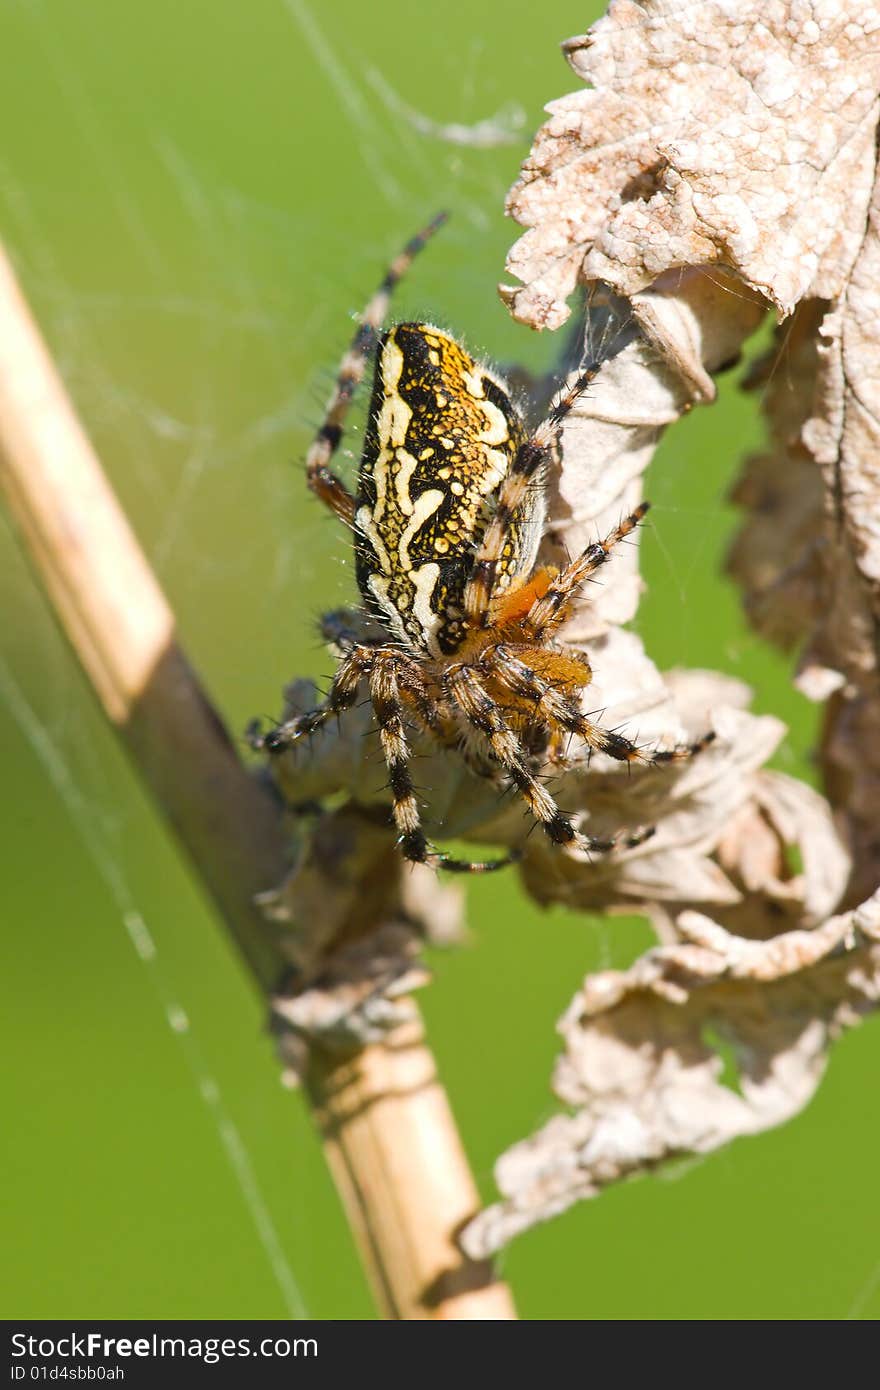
[(441, 436)]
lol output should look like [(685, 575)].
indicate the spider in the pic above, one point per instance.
[(447, 520)]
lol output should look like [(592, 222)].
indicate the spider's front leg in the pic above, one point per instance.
[(469, 693), (395, 685), (356, 663), (359, 659), (509, 665), (388, 705), (551, 609)]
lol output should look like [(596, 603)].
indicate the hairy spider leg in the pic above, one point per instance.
[(531, 457), (478, 707), (341, 696), (357, 663), (550, 609), (341, 630), (509, 664), (323, 482), (394, 682), (388, 708)]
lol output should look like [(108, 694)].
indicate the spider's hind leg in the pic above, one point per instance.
[(323, 482)]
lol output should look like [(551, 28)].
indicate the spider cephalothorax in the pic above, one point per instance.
[(447, 522)]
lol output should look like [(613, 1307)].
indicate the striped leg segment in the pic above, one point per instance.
[(559, 712), (341, 696), (388, 707), (508, 663), (359, 661), (531, 458), (322, 481), (341, 630), (549, 611), (394, 685), (468, 691)]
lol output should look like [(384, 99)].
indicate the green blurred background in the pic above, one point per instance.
[(198, 197)]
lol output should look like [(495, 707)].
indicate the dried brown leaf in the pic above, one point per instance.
[(643, 1065), (355, 919), (715, 134), (743, 139), (726, 157)]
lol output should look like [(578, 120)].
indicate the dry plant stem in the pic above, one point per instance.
[(122, 629), (385, 1108), (383, 1114)]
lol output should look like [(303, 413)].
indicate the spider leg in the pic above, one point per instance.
[(509, 664), (388, 706), (342, 694), (468, 691), (531, 458), (549, 611), (560, 712), (323, 482)]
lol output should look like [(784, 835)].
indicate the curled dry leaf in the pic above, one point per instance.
[(777, 557), (643, 1067), (736, 144), (715, 134), (360, 996), (725, 159)]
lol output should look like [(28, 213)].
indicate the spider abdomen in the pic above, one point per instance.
[(441, 437)]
